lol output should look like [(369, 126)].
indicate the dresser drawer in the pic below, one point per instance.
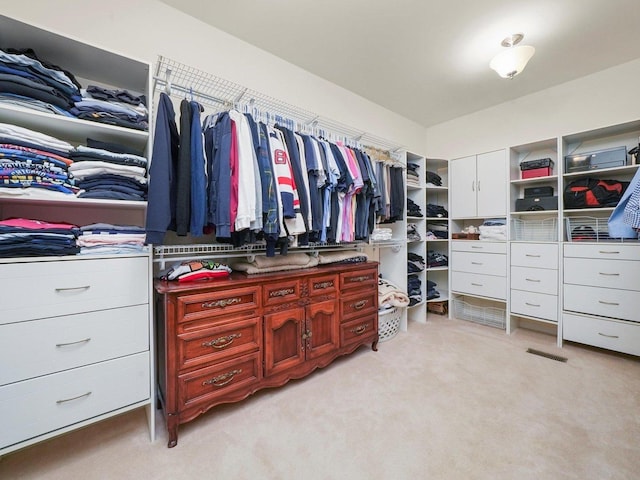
[(476, 284), (605, 251), (214, 344), (358, 305), (363, 278), (322, 285), (600, 332), (360, 330), (51, 289), (537, 280), (539, 255), (40, 347), (282, 291), (485, 263), (617, 274), (533, 304), (44, 404), (225, 302), (207, 384), (479, 246), (606, 302)]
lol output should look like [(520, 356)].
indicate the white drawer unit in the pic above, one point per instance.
[(602, 295), (531, 304), (44, 404), (538, 255), (605, 302), (601, 332), (484, 263), (72, 286), (538, 280), (616, 274), (481, 285)]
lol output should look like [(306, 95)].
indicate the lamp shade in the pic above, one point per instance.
[(512, 61)]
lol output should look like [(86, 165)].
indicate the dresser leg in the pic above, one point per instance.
[(172, 428), (374, 345)]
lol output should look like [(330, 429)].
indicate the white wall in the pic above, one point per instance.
[(144, 29), (605, 98)]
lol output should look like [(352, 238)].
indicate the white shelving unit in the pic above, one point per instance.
[(85, 351), (416, 192), (438, 195)]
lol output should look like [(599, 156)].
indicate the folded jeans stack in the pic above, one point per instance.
[(415, 263), (414, 289), (436, 259)]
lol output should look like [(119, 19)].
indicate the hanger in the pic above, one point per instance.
[(167, 85)]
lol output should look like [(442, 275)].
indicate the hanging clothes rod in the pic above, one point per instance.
[(223, 94)]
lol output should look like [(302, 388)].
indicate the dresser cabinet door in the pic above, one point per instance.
[(283, 342), (322, 329)]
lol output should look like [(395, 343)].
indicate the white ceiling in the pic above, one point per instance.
[(428, 60)]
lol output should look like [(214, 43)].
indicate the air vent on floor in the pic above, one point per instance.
[(547, 355)]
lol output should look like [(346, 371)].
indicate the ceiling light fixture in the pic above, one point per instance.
[(511, 62)]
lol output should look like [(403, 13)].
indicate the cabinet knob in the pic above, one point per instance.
[(307, 334)]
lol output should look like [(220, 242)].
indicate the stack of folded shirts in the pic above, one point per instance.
[(412, 233), (33, 159), (193, 270), (23, 237), (436, 259), (433, 179), (415, 263), (414, 289), (107, 239), (113, 107), (105, 174), (31, 82), (431, 290), (413, 209), (413, 177)]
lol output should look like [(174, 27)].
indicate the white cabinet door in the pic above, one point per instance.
[(462, 174), (491, 184)]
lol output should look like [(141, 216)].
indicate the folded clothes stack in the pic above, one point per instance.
[(107, 239), (414, 289), (113, 107), (415, 263), (433, 179), (24, 237), (191, 271)]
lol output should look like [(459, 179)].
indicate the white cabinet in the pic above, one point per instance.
[(479, 185), (76, 332), (479, 271), (534, 281), (601, 295)]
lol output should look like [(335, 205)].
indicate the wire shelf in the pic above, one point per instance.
[(221, 94), (545, 230), (490, 316), (591, 229)]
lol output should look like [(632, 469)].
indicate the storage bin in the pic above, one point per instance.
[(389, 323), (544, 230), (485, 315)]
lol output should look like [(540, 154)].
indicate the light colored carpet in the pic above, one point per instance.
[(447, 400)]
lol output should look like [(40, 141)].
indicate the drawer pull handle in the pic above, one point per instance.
[(532, 304), (476, 263), (361, 278), (477, 246), (608, 336), (476, 284), (608, 303), (307, 334), (359, 305), (609, 274), (359, 330), (609, 252), (281, 293), (65, 289), (222, 342), (222, 303), (531, 255), (73, 398), (85, 340), (321, 285), (222, 380), (532, 280)]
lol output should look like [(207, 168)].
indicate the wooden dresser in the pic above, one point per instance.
[(220, 341)]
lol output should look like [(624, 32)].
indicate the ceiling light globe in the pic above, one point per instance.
[(512, 61)]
